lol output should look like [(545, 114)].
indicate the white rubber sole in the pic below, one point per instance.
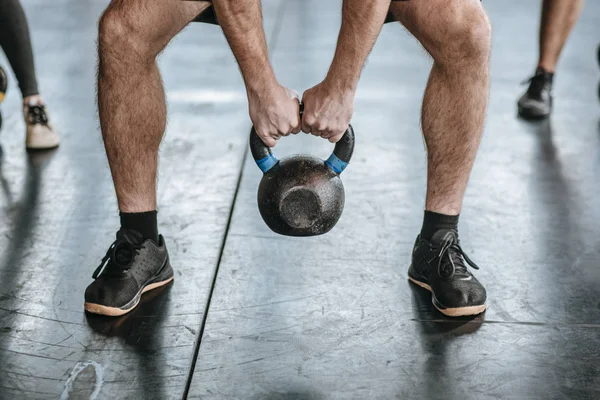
[(115, 311), (452, 312), (47, 141)]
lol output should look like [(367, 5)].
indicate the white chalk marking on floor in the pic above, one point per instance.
[(77, 369)]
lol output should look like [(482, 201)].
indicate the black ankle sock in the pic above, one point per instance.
[(144, 222), (542, 71), (433, 222)]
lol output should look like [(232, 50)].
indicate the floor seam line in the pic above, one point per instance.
[(274, 33), (214, 279)]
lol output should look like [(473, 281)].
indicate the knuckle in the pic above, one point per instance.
[(309, 119)]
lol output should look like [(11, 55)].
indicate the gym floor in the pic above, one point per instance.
[(254, 315)]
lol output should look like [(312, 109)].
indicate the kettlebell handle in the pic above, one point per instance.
[(337, 161)]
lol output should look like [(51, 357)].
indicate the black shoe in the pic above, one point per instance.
[(536, 103), (439, 266), (3, 83), (3, 87), (131, 267)]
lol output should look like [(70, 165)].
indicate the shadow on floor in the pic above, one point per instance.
[(140, 329), (19, 216), (22, 215), (437, 333), (3, 182)]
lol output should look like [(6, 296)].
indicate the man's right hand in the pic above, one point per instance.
[(275, 112)]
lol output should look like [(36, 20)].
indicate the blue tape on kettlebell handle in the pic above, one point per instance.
[(336, 164), (267, 163)]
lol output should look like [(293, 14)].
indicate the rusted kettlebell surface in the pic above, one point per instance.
[(301, 195)]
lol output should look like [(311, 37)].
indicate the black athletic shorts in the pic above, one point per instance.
[(208, 16)]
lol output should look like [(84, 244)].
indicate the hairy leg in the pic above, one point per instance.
[(131, 99), (457, 35), (558, 19)]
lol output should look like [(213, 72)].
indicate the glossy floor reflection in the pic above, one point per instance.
[(329, 317)]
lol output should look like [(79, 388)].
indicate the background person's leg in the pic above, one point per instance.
[(557, 21), (16, 43)]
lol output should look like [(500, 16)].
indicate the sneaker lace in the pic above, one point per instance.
[(37, 115), (452, 259), (121, 253)]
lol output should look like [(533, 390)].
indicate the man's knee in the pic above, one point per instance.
[(121, 35), (466, 36)]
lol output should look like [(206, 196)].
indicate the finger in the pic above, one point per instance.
[(333, 134), (306, 128), (297, 124), (272, 137), (326, 134), (336, 133), (335, 138), (269, 141), (317, 129), (286, 132), (264, 135)]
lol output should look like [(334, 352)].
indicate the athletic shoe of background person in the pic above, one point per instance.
[(39, 135), (3, 87), (536, 103)]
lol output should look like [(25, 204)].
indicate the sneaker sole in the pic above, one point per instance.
[(3, 78), (528, 114), (41, 148), (33, 143), (116, 311), (450, 312)]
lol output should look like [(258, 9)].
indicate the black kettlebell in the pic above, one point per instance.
[(301, 195)]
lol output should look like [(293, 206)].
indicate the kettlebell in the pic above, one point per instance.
[(301, 195)]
